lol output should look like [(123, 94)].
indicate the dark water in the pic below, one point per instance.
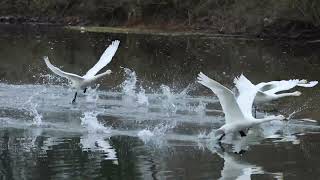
[(151, 120)]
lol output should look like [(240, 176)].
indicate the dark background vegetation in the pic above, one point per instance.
[(281, 18)]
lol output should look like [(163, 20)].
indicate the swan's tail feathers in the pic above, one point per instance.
[(310, 84), (206, 81)]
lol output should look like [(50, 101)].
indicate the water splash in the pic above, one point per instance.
[(168, 101), (300, 109), (157, 135), (32, 109), (92, 95), (132, 94), (91, 123), (129, 85), (201, 108), (145, 135), (186, 90), (203, 135), (37, 118), (142, 99), (52, 79), (179, 102)]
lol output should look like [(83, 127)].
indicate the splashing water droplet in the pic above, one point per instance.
[(129, 85), (201, 108), (156, 136), (145, 135), (203, 135), (129, 89), (142, 99), (91, 123), (32, 109), (37, 118), (92, 94), (169, 98)]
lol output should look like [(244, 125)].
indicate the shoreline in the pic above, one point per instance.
[(306, 35), (154, 31)]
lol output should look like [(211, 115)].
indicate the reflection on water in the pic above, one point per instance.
[(149, 119)]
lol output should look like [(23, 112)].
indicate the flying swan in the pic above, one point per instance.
[(81, 83), (267, 91), (238, 111)]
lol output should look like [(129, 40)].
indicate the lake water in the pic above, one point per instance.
[(149, 119)]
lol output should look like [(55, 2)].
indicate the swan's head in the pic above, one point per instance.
[(108, 71), (297, 93), (280, 117)]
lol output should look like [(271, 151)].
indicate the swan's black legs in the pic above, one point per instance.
[(222, 136), (221, 147), (74, 99), (240, 152), (242, 134), (85, 90)]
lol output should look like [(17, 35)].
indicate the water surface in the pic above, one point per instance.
[(149, 119)]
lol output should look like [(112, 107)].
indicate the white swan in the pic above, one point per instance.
[(81, 83), (238, 111), (267, 91)]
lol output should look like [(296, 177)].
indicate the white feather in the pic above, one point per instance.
[(226, 97), (238, 113), (247, 93), (104, 59), (90, 77), (59, 72), (268, 91)]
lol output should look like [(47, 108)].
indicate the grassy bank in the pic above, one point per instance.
[(274, 18)]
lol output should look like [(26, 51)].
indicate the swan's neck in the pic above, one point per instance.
[(266, 119), (101, 75), (286, 94)]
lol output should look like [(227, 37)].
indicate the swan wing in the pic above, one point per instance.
[(105, 59), (277, 86), (265, 86), (247, 93), (59, 72), (226, 97), (283, 85)]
